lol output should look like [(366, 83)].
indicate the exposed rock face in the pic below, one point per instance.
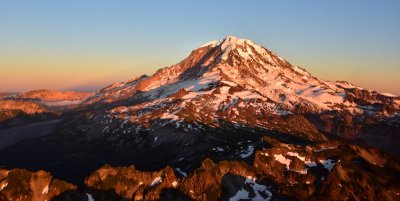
[(326, 171), (205, 182), (27, 107), (323, 171), (19, 184), (10, 114), (309, 171), (14, 112), (131, 183), (116, 91)]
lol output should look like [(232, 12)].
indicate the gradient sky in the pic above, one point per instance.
[(88, 44)]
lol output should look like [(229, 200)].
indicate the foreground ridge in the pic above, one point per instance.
[(283, 172)]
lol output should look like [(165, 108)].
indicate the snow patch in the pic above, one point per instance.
[(301, 71), (169, 116), (156, 181), (181, 172), (328, 164), (261, 192), (232, 84), (212, 43), (62, 103), (192, 94), (323, 148), (296, 155), (224, 90), (281, 159), (388, 94), (174, 184), (45, 190), (3, 186), (311, 163), (218, 149), (90, 197), (248, 152), (246, 95)]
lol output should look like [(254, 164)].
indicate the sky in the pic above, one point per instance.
[(85, 45)]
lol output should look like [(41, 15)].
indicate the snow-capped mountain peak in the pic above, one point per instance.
[(235, 73), (233, 49), (242, 46)]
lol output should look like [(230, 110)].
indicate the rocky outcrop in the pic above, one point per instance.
[(27, 107), (325, 171), (15, 112), (10, 114), (131, 183), (18, 112), (205, 183), (329, 171), (23, 185), (333, 170)]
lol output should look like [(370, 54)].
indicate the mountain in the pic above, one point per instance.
[(236, 81), (37, 105), (54, 99), (232, 120), (52, 96)]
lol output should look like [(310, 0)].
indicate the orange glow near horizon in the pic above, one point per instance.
[(25, 73), (85, 73)]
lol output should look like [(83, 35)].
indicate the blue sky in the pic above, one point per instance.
[(88, 44)]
